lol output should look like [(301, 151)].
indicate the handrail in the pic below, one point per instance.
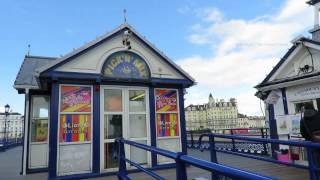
[(313, 169), (275, 141), (181, 161)]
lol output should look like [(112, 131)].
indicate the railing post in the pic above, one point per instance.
[(192, 141), (181, 171), (264, 144), (312, 166), (233, 144), (213, 156), (122, 162)]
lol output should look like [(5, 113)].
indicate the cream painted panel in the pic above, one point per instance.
[(38, 156), (299, 60), (303, 92), (278, 106), (93, 60)]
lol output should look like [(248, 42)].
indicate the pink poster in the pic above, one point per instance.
[(75, 99), (166, 100)]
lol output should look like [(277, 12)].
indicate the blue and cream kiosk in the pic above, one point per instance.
[(118, 85)]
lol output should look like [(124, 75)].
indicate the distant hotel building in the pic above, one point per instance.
[(219, 114), (14, 126), (213, 115)]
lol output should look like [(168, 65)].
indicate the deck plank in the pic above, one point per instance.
[(256, 166)]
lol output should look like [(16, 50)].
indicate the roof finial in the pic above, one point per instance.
[(28, 52), (125, 15)]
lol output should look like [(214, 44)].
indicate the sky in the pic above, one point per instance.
[(227, 46)]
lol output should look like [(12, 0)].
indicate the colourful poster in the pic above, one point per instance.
[(166, 100), (295, 124), (75, 99), (41, 131), (282, 124), (167, 125), (75, 128)]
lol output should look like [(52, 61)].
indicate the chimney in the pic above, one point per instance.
[(315, 31)]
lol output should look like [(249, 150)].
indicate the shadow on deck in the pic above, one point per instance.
[(260, 167), (10, 169)]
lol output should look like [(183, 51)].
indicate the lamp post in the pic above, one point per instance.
[(6, 108)]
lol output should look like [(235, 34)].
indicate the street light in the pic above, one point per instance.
[(6, 110)]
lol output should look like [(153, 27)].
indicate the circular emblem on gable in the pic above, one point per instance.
[(125, 65)]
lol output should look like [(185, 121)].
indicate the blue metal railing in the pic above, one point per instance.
[(242, 146), (8, 143), (181, 161), (314, 170)]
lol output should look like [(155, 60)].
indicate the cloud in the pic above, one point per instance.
[(184, 9), (210, 14), (249, 104), (244, 51)]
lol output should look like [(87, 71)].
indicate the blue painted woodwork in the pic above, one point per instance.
[(96, 130), (181, 161), (53, 137), (284, 101), (311, 147)]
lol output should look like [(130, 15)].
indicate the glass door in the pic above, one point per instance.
[(38, 140), (137, 123), (113, 112), (124, 114)]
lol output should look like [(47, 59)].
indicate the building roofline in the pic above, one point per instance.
[(296, 43), (103, 38)]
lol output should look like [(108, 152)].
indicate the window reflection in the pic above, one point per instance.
[(138, 125), (39, 119), (40, 106), (137, 101), (113, 100), (112, 126), (109, 161)]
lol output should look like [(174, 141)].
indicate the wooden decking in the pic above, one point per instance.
[(12, 158), (257, 166), (260, 167)]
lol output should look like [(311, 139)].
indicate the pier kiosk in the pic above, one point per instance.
[(118, 85), (294, 81)]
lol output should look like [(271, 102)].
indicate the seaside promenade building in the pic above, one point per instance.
[(118, 85), (11, 126), (220, 114), (216, 114)]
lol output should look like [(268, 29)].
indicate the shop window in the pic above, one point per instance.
[(75, 128), (167, 120), (75, 114), (75, 122), (167, 113), (39, 118), (137, 101), (113, 100), (112, 126), (298, 106)]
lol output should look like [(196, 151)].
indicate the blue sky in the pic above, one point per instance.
[(181, 29)]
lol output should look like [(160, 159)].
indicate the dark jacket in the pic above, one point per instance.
[(309, 123)]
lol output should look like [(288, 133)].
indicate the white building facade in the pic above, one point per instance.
[(12, 125), (216, 114)]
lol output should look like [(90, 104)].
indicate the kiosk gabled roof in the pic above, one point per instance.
[(101, 39), (267, 81), (26, 76)]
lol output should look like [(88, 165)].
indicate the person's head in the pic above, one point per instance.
[(308, 106)]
